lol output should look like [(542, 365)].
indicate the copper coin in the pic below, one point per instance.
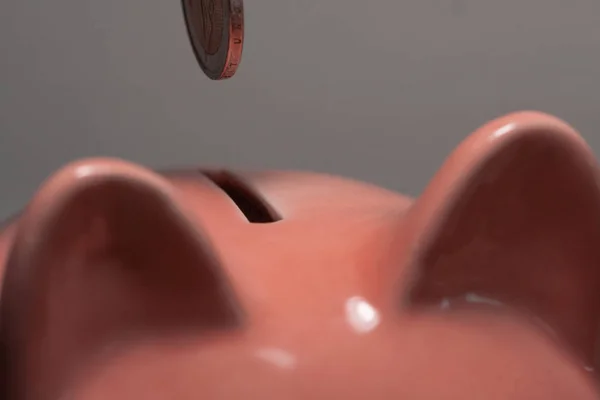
[(216, 31)]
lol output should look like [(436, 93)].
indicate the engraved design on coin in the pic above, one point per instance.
[(211, 21), (216, 32), (236, 38)]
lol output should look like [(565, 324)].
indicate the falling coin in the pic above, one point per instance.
[(216, 31)]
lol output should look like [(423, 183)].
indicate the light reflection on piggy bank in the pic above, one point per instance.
[(124, 283)]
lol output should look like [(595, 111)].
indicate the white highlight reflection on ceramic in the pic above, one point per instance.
[(85, 171), (445, 304), (278, 357), (504, 130), (477, 299), (472, 298), (361, 315)]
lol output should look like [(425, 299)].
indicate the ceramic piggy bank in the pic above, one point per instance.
[(124, 283)]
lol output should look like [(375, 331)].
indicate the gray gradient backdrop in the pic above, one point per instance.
[(379, 90)]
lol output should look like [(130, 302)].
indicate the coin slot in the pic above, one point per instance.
[(250, 203)]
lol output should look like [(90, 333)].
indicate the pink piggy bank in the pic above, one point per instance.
[(123, 283)]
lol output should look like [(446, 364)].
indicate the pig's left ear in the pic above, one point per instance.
[(513, 218), (105, 254)]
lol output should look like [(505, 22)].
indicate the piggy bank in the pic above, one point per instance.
[(119, 282)]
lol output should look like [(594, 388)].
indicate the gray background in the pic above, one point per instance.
[(379, 90)]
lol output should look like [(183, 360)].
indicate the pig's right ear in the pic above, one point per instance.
[(104, 254), (513, 218)]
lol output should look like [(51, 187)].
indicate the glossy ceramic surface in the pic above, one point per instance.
[(124, 283)]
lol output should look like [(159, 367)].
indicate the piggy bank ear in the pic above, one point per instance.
[(513, 219), (105, 253)]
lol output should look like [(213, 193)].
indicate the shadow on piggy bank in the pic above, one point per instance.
[(124, 283)]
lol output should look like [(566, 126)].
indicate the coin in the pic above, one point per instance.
[(216, 32)]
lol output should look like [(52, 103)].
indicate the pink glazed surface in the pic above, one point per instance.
[(124, 283)]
